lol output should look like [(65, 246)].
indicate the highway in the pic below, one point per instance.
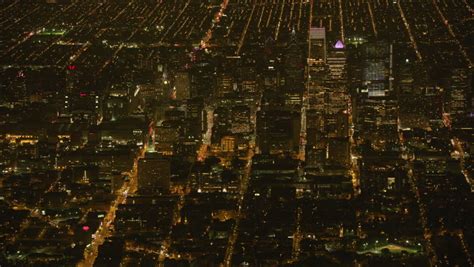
[(297, 235), (451, 32), (408, 29), (457, 145), (423, 215), (244, 183), (203, 150), (354, 168), (372, 19), (104, 230), (215, 21), (244, 32), (280, 16), (166, 244), (302, 145)]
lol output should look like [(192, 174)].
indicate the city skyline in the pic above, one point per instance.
[(236, 133)]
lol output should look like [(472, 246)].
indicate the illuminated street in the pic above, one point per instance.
[(236, 133)]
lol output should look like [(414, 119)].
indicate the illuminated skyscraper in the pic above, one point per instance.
[(153, 173), (318, 48), (459, 90), (182, 86), (294, 65), (377, 70), (336, 60)]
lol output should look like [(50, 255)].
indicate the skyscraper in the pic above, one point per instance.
[(317, 40), (294, 66), (153, 173), (459, 90), (377, 70), (336, 60), (182, 85)]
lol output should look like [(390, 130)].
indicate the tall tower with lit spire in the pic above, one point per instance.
[(150, 146), (294, 64)]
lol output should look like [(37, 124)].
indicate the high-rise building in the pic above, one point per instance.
[(182, 85), (338, 151), (278, 131), (84, 106), (225, 84), (248, 76), (377, 70), (342, 124), (154, 173), (228, 144), (240, 119), (272, 74), (459, 89), (294, 66), (376, 110), (317, 38), (336, 60), (116, 105), (202, 79), (195, 112)]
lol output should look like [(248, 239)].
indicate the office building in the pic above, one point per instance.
[(154, 173)]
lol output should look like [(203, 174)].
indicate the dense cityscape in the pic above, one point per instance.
[(236, 133)]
